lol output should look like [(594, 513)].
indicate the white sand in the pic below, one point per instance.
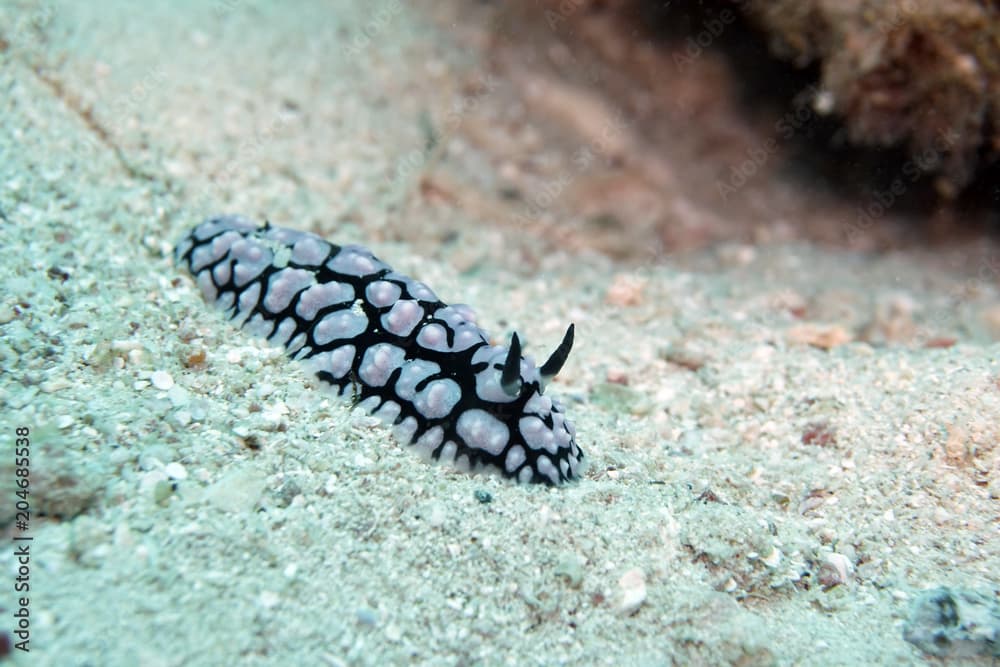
[(230, 513)]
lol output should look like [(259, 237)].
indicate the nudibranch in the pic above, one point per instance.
[(385, 341)]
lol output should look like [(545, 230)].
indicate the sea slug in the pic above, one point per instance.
[(386, 341)]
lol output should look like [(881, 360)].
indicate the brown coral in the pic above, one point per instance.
[(924, 74)]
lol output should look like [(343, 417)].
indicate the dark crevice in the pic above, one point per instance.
[(818, 154)]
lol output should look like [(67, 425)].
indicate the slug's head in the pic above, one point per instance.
[(511, 381), (540, 443)]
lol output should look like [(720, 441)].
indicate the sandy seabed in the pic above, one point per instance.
[(773, 476)]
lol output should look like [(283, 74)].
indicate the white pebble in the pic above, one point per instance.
[(331, 485), (161, 380), (175, 471), (238, 490), (631, 591), (835, 569), (773, 558), (149, 480), (56, 385), (436, 515), (268, 599)]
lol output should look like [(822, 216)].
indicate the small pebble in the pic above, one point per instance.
[(955, 448), (631, 591), (834, 570), (178, 396), (56, 385), (772, 559), (941, 516), (685, 355), (268, 599), (161, 380), (436, 515), (120, 455), (162, 490), (148, 481), (483, 496), (195, 359), (617, 376), (570, 566), (124, 538), (625, 290), (153, 456), (823, 336), (175, 471), (366, 616), (238, 490)]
